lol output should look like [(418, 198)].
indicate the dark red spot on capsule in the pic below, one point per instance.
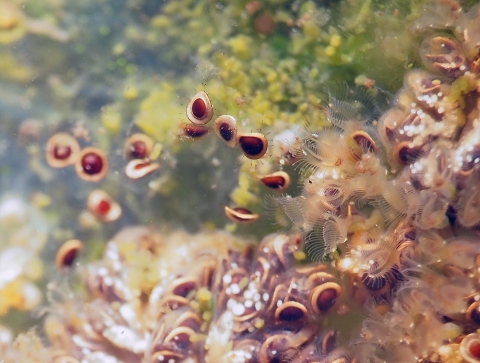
[(226, 132), (199, 108), (62, 152), (92, 163), (138, 150), (103, 207), (253, 145), (326, 299), (475, 349)]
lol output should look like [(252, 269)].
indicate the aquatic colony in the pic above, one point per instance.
[(239, 181)]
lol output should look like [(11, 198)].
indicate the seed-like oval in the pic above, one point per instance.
[(199, 109), (278, 180), (102, 206), (138, 146), (67, 253), (138, 168), (324, 297), (240, 215), (254, 145), (62, 150), (290, 311), (92, 164), (226, 129), (193, 131)]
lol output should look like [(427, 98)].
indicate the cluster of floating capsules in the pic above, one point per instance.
[(234, 304), (394, 200), (91, 164), (254, 146)]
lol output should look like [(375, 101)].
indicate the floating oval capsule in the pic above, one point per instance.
[(138, 168), (62, 150), (193, 131), (226, 129), (67, 253), (91, 164), (278, 180), (102, 206), (199, 109), (254, 145), (138, 146), (240, 215)]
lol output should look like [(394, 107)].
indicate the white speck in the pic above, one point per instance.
[(248, 303), (266, 296), (238, 310), (235, 288), (227, 279)]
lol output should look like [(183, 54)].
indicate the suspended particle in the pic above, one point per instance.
[(102, 206), (199, 109), (240, 215), (278, 181), (138, 168), (62, 150), (67, 253), (226, 129), (138, 146), (91, 164), (254, 145)]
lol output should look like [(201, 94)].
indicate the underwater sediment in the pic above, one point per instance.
[(239, 181)]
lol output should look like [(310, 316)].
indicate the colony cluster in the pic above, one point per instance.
[(396, 202), (236, 304)]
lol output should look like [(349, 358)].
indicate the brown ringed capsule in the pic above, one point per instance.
[(91, 164), (277, 181), (193, 131), (240, 215), (67, 253), (102, 206), (470, 348), (138, 146), (290, 311), (254, 145), (199, 109), (405, 154), (226, 129), (324, 297), (138, 168), (61, 150)]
